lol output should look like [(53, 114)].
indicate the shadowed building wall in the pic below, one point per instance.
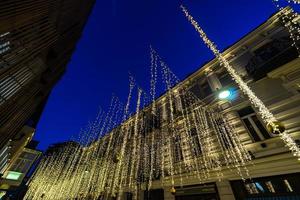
[(37, 39)]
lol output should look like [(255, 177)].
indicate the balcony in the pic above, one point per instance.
[(270, 57)]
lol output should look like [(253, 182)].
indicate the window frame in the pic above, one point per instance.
[(254, 125)]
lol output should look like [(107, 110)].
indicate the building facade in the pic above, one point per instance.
[(265, 59), (37, 39), (13, 183), (17, 158), (202, 139)]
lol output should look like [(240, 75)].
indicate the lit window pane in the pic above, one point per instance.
[(259, 187), (13, 175), (2, 193), (270, 186), (288, 186), (251, 188)]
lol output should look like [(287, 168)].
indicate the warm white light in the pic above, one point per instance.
[(224, 94), (265, 113)]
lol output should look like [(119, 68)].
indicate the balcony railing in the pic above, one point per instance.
[(258, 68)]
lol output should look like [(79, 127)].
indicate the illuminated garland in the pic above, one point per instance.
[(266, 115), (290, 21), (121, 152), (292, 1)]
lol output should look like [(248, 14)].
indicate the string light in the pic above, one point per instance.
[(266, 115), (120, 152), (292, 1), (290, 19), (112, 159)]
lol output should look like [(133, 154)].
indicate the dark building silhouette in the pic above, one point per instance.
[(37, 39), (54, 149), (13, 185)]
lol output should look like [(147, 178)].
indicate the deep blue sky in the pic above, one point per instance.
[(116, 40)]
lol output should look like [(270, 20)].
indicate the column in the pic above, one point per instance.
[(225, 191), (213, 81), (167, 194)]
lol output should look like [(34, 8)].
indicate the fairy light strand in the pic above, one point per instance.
[(266, 115)]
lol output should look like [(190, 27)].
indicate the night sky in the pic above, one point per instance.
[(116, 41)]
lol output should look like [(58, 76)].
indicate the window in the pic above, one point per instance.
[(285, 186), (271, 56), (129, 196), (195, 89), (260, 187), (288, 186), (24, 162), (151, 122), (224, 135), (4, 47), (224, 78), (154, 194), (195, 140), (177, 149), (11, 84), (205, 89), (13, 175), (2, 194), (251, 188), (252, 123), (270, 186), (4, 157), (4, 44)]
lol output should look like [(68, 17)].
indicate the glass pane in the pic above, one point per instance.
[(196, 90), (270, 187), (246, 111), (225, 79), (279, 185), (261, 128), (206, 90), (13, 175), (288, 186), (251, 188), (251, 129), (259, 187)]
